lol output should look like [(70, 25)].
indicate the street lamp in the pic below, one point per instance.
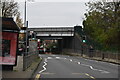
[(26, 24), (25, 30), (26, 36)]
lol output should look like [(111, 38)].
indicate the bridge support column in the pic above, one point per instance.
[(60, 45)]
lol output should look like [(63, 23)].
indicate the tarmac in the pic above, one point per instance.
[(18, 72)]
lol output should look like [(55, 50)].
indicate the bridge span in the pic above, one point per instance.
[(53, 32), (65, 36)]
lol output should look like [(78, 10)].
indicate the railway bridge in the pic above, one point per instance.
[(65, 35)]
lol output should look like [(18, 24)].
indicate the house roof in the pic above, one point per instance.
[(9, 24)]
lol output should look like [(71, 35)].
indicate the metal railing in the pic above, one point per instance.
[(95, 54)]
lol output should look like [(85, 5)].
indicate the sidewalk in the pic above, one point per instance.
[(18, 70)]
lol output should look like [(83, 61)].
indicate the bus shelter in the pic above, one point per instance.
[(10, 33)]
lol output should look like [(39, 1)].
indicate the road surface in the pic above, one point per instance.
[(63, 66)]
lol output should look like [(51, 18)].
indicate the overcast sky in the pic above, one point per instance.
[(54, 13)]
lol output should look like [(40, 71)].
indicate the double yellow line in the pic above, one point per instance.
[(37, 77), (89, 76)]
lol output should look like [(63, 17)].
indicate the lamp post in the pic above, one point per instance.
[(25, 28), (25, 15), (26, 25), (26, 36)]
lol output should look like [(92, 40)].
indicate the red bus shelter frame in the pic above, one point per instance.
[(10, 32)]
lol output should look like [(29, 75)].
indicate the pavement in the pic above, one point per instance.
[(72, 67), (18, 70)]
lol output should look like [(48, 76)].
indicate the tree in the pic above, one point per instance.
[(19, 21), (102, 23), (9, 8)]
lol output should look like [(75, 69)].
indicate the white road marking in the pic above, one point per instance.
[(85, 65), (91, 67), (78, 62), (57, 57), (60, 58), (102, 71), (113, 64), (71, 60), (49, 58), (44, 68), (45, 60), (101, 62)]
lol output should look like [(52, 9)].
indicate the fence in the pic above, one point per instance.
[(107, 56), (95, 54), (31, 55), (28, 58), (84, 50)]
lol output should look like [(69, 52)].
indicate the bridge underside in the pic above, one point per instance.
[(65, 42), (49, 37)]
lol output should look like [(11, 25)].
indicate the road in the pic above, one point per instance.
[(63, 66)]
